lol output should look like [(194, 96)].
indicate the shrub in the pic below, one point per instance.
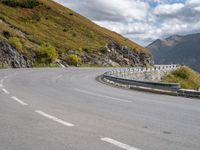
[(88, 50), (21, 3), (16, 42), (36, 17), (183, 73), (64, 30), (46, 54), (6, 34), (104, 50), (73, 59)]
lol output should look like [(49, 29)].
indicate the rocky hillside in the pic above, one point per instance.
[(177, 49), (42, 31)]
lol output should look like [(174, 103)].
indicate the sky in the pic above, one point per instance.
[(142, 21)]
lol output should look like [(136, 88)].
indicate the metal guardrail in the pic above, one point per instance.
[(125, 71), (149, 84), (188, 93), (119, 76)]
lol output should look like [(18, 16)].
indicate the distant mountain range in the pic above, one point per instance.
[(177, 49)]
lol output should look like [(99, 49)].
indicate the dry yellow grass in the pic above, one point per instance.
[(188, 78), (65, 29)]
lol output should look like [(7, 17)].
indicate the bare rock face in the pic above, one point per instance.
[(10, 57), (118, 55), (127, 57)]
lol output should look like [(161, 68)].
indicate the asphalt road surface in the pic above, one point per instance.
[(67, 109)]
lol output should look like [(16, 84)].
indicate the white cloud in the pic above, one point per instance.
[(168, 9), (141, 20), (193, 2), (113, 10)]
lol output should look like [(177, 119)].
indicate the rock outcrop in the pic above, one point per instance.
[(10, 57), (117, 55)]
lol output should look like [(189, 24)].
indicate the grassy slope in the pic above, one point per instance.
[(188, 78), (63, 28)]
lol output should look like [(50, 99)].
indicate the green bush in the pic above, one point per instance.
[(104, 50), (183, 73), (6, 34), (73, 59), (21, 3), (46, 54), (16, 42), (88, 50)]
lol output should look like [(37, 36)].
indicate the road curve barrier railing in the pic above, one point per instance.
[(188, 93), (125, 77)]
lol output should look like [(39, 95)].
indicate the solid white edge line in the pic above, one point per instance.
[(118, 144), (54, 118), (104, 96), (19, 101), (5, 91)]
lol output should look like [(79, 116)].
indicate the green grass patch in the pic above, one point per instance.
[(188, 78), (16, 42), (43, 65), (3, 66)]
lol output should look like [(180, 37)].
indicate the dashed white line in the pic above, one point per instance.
[(19, 101), (1, 81), (58, 77), (118, 144), (5, 91), (104, 96), (54, 118)]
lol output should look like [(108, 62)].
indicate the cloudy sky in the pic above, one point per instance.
[(143, 21)]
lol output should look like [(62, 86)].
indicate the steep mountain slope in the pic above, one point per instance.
[(177, 49), (68, 32)]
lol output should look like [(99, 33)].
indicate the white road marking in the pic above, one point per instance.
[(58, 77), (54, 118), (1, 81), (104, 96), (118, 144), (5, 91), (19, 101)]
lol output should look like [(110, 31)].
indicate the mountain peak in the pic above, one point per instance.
[(178, 49), (175, 37)]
